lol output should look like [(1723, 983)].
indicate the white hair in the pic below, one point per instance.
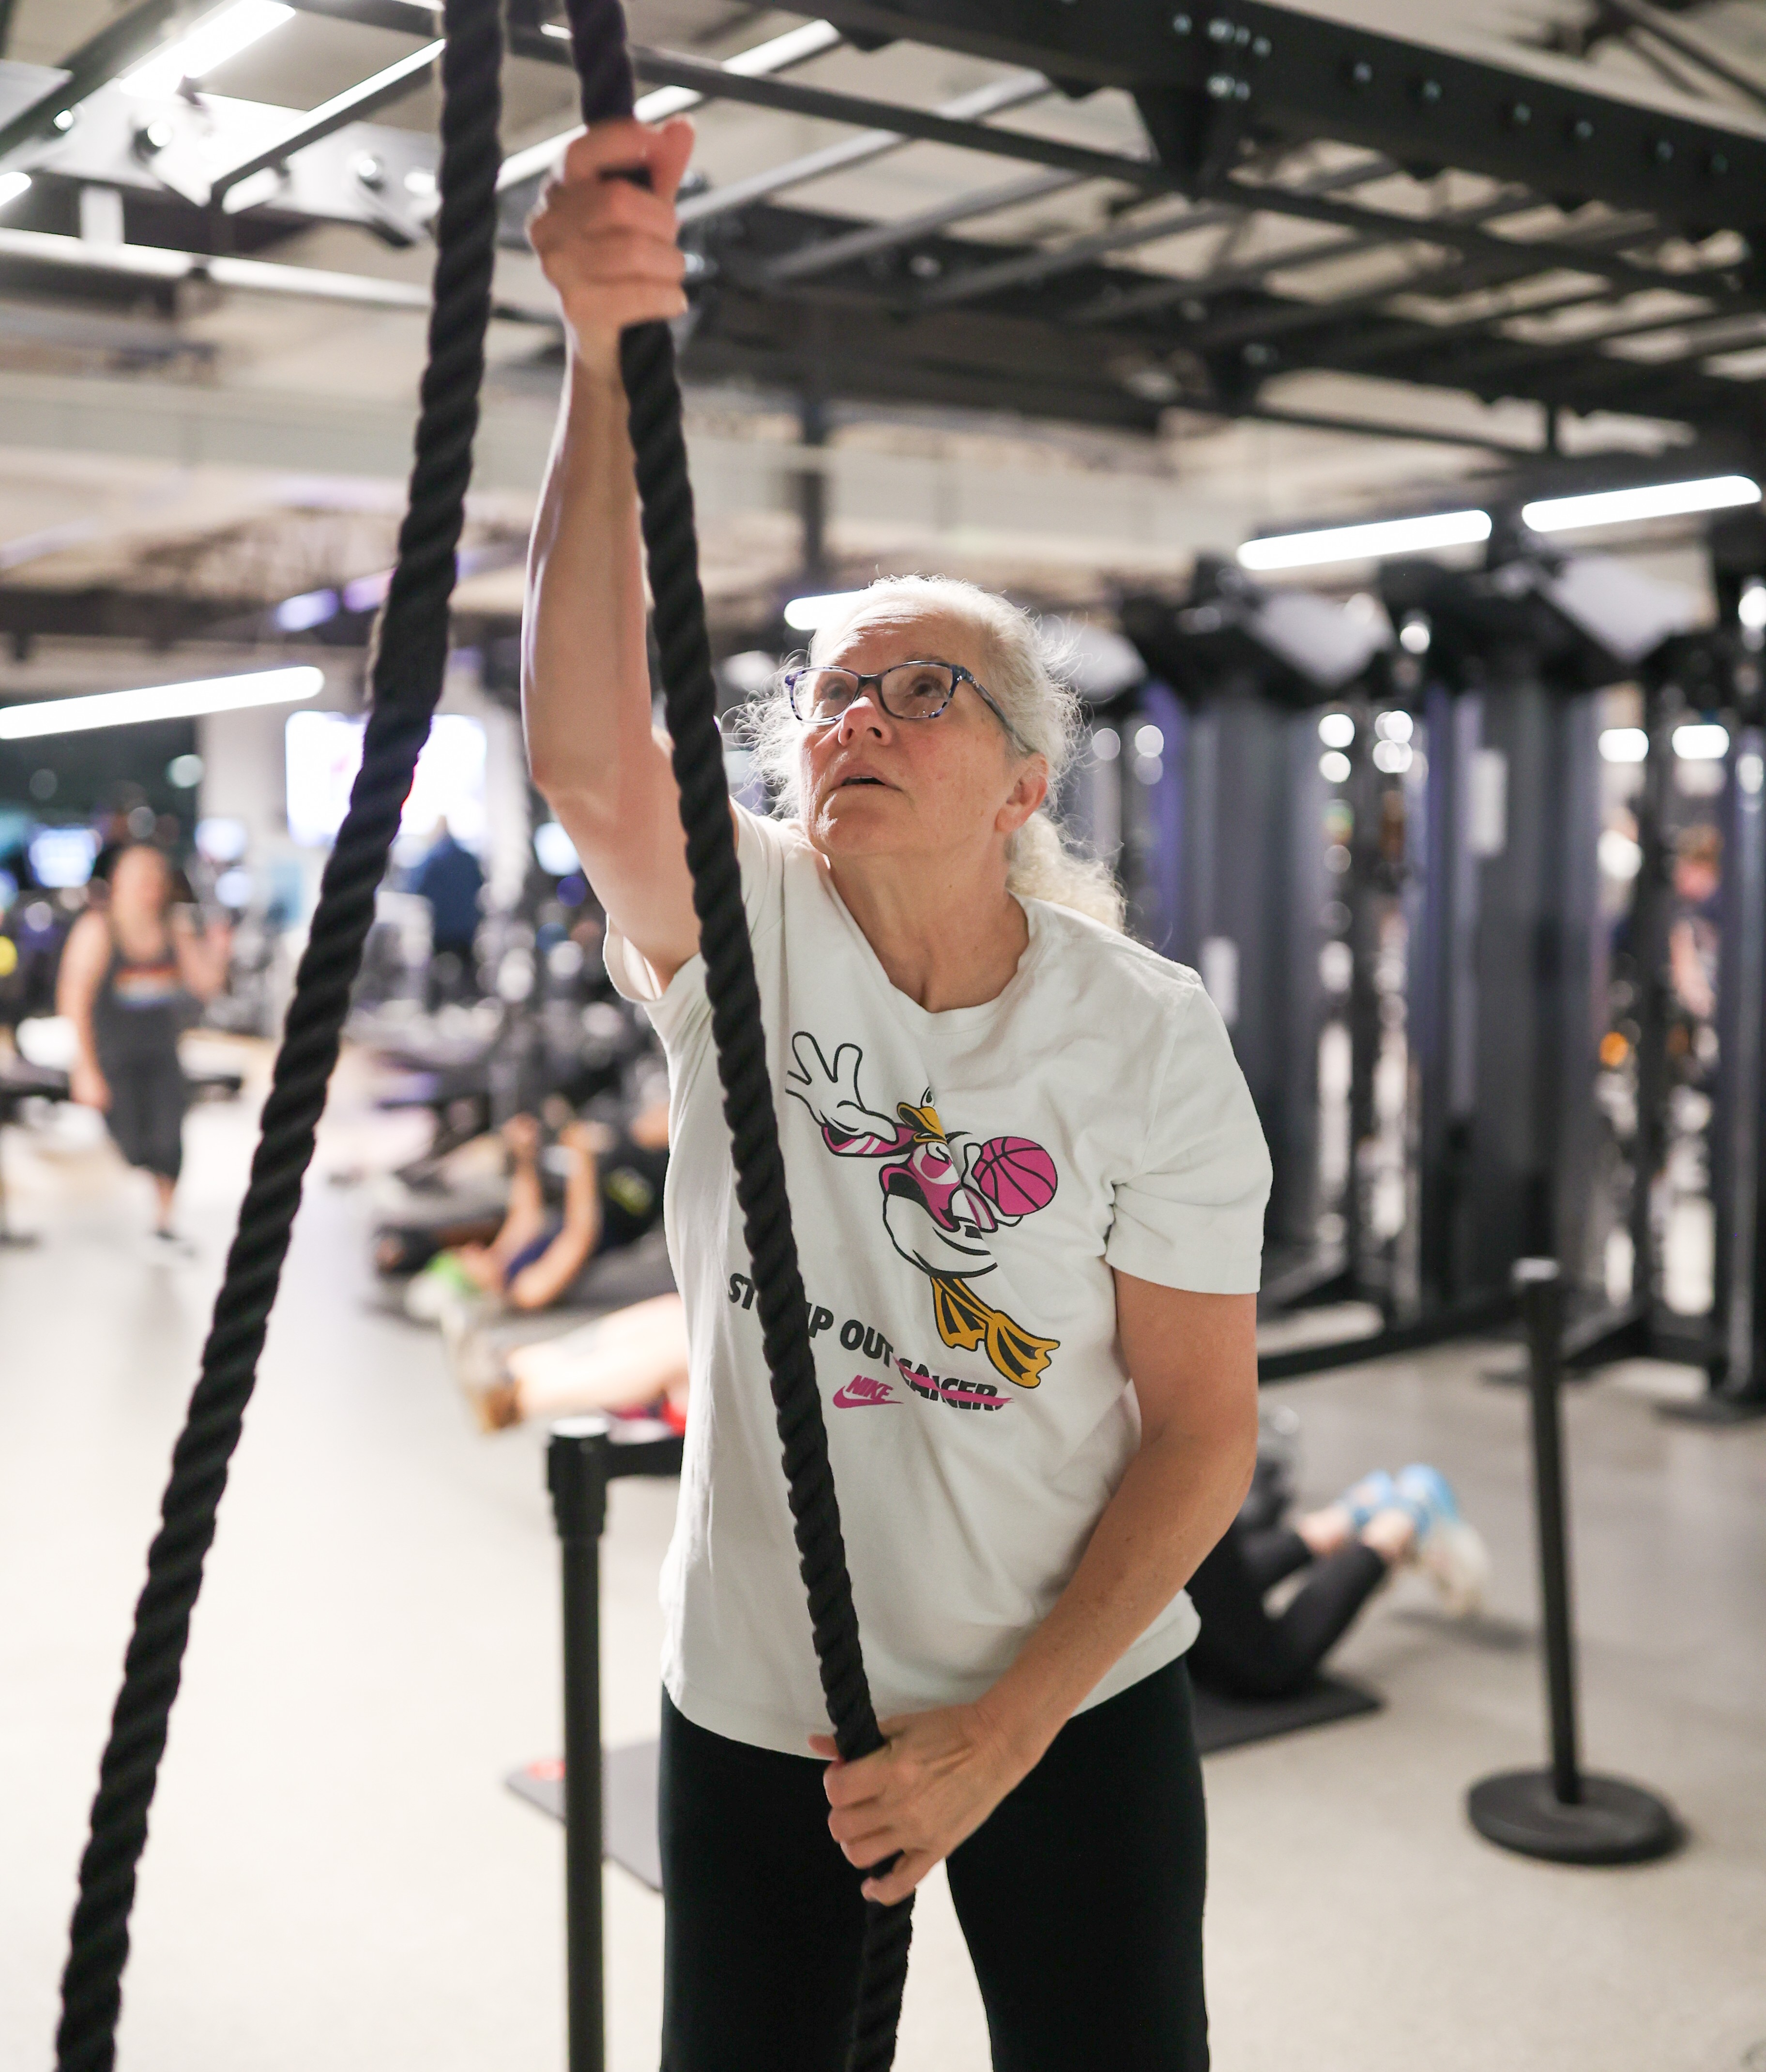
[(1022, 673)]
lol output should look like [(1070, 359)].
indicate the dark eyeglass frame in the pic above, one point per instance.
[(958, 675)]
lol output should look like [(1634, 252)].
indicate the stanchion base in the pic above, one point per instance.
[(1614, 1823), (1715, 1408)]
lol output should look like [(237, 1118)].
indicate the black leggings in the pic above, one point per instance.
[(1080, 1898), (148, 1097), (1241, 1649)]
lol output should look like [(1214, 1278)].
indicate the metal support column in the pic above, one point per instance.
[(1737, 1360)]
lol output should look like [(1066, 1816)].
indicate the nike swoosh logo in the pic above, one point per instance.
[(860, 1390)]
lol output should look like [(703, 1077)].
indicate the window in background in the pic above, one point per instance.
[(63, 856), (324, 752)]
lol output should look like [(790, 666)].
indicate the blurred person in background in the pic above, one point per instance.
[(1693, 935), (613, 1197), (132, 976), (450, 879)]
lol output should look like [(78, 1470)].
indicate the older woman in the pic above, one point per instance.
[(1028, 1185)]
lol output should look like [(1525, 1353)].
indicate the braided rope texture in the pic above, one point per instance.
[(672, 555), (409, 658)]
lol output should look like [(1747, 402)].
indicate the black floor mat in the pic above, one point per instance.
[(628, 1804), (1225, 1723), (628, 1775)]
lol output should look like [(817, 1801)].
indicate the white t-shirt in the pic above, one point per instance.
[(961, 1185)]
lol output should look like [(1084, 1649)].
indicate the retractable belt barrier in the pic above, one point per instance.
[(1564, 1813), (410, 654)]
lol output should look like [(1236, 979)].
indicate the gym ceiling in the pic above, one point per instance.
[(1084, 286)]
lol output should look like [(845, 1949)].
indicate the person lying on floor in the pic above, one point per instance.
[(612, 1196), (630, 1362), (1346, 1552)]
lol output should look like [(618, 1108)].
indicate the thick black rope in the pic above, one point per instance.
[(409, 658), (671, 553)]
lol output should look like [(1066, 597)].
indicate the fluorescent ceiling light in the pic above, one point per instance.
[(1624, 744), (1620, 506), (12, 185), (212, 42), (326, 120), (554, 851), (809, 39), (311, 608), (804, 614), (1701, 741), (1366, 543), (211, 694)]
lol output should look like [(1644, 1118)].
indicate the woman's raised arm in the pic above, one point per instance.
[(608, 247), (202, 954)]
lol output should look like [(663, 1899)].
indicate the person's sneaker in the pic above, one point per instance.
[(1451, 1552), (496, 1406), (442, 1285), (1374, 1492), (166, 1247)]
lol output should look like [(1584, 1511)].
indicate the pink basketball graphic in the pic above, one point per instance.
[(1018, 1176)]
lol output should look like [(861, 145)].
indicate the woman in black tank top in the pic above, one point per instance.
[(131, 975)]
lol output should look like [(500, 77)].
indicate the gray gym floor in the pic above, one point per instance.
[(337, 1877)]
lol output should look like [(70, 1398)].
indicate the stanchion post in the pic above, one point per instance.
[(1561, 1813), (577, 1471), (1539, 1284)]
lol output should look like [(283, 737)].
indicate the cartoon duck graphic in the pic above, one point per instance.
[(945, 1195)]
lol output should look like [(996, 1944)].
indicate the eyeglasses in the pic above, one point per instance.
[(908, 690)]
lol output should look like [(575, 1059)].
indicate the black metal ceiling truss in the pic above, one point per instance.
[(1614, 253)]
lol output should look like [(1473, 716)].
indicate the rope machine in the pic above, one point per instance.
[(410, 654)]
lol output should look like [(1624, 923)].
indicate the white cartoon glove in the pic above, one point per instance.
[(830, 1093)]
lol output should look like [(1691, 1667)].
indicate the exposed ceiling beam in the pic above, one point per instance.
[(1664, 65), (825, 255), (94, 64), (869, 145), (668, 68), (1283, 318), (1029, 267), (1384, 350), (356, 104), (153, 619), (1591, 347), (1315, 421), (795, 47), (1511, 260), (1690, 42), (1292, 71), (1465, 237), (890, 119), (407, 18), (154, 262)]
